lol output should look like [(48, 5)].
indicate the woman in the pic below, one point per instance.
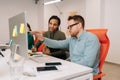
[(30, 37)]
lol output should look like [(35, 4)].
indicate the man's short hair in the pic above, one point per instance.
[(77, 18)]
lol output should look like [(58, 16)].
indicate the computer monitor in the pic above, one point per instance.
[(18, 33)]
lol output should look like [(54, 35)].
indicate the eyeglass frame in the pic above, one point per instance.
[(70, 26)]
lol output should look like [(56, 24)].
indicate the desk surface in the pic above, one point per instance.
[(65, 71)]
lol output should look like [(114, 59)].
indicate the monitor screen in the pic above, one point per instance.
[(18, 33)]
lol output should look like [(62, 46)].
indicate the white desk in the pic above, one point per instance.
[(66, 71)]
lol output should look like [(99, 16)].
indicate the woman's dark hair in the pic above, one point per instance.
[(28, 25), (77, 18), (55, 17)]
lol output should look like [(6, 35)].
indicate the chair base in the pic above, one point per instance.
[(98, 76)]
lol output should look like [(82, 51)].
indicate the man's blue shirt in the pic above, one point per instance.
[(84, 50)]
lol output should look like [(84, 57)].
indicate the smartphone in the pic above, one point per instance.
[(53, 63), (46, 68)]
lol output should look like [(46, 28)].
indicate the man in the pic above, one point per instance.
[(83, 46), (55, 34)]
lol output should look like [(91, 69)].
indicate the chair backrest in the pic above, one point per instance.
[(104, 41)]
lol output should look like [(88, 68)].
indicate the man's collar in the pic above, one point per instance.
[(82, 35)]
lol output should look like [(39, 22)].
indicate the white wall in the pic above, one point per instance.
[(93, 13), (40, 15), (9, 8), (112, 21)]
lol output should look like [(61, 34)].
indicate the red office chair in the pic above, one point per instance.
[(104, 40)]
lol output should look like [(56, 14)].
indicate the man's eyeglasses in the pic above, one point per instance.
[(70, 26)]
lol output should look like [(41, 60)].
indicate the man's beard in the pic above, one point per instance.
[(74, 35)]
